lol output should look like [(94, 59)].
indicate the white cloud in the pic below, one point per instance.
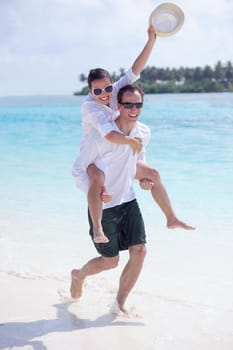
[(45, 45)]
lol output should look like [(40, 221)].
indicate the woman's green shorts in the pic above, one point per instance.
[(124, 227)]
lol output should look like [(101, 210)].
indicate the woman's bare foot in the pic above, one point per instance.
[(99, 237), (76, 284), (176, 223)]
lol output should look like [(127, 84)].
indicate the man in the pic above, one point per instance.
[(122, 220)]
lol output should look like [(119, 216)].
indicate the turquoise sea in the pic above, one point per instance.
[(43, 223)]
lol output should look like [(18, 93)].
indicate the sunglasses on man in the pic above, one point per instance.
[(129, 105)]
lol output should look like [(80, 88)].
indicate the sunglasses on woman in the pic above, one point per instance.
[(98, 91)]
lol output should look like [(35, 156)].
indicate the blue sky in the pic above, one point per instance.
[(46, 44)]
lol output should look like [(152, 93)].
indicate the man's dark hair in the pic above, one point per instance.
[(130, 88), (95, 74)]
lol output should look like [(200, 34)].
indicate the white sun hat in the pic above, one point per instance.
[(167, 19)]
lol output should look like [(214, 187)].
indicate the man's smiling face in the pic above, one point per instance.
[(130, 106)]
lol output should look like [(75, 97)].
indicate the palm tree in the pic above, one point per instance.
[(219, 72), (82, 78)]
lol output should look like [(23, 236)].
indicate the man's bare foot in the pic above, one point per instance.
[(99, 237), (76, 284), (120, 310), (176, 223)]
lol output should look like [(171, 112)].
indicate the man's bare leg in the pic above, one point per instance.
[(159, 193), (130, 274), (76, 284), (95, 204), (92, 267)]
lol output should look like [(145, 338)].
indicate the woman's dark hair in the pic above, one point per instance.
[(130, 88), (95, 74)]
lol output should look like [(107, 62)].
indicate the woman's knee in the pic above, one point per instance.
[(155, 176), (96, 176), (145, 171)]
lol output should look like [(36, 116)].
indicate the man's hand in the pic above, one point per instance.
[(105, 196), (146, 184)]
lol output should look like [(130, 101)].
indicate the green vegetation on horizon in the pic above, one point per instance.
[(180, 80)]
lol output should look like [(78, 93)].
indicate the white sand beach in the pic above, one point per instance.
[(179, 311)]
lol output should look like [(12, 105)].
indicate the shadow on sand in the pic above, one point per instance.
[(20, 334)]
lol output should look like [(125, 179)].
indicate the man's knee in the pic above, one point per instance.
[(138, 252), (110, 263)]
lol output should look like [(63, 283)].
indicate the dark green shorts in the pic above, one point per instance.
[(124, 227)]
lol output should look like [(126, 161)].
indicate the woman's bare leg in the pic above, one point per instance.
[(159, 193), (95, 204)]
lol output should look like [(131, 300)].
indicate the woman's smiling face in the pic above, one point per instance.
[(101, 84)]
